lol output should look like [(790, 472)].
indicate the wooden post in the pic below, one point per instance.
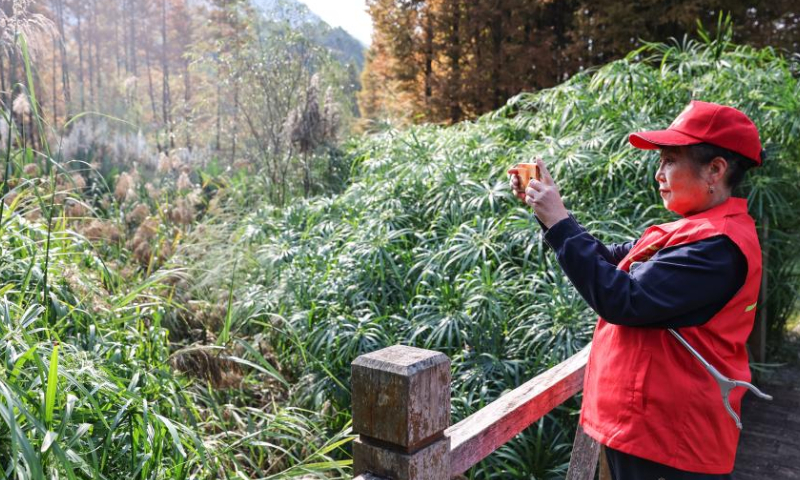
[(401, 408), (758, 337), (605, 471), (585, 451)]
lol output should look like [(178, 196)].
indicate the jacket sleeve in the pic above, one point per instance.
[(679, 286), (613, 253)]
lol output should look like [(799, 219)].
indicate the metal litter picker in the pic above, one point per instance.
[(725, 384)]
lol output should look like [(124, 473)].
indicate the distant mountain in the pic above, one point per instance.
[(292, 11), (344, 46)]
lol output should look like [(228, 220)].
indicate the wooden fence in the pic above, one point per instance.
[(401, 413)]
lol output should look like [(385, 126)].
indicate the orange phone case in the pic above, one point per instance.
[(525, 171)]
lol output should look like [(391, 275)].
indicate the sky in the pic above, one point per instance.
[(351, 15)]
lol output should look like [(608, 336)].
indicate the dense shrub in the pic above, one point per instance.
[(425, 246), (428, 247)]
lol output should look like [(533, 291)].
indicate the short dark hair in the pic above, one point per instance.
[(738, 164)]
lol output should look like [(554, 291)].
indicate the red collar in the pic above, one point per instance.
[(731, 206)]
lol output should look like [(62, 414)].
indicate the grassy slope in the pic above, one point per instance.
[(427, 247)]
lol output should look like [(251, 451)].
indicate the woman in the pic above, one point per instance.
[(657, 411)]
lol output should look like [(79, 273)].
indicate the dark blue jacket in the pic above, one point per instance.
[(677, 287)]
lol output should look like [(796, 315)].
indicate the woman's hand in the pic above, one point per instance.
[(543, 196), (516, 188)]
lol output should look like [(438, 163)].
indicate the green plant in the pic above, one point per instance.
[(428, 247)]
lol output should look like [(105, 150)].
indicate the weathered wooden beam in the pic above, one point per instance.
[(401, 408), (585, 452), (605, 472), (483, 432)]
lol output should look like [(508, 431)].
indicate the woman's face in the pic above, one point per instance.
[(680, 183)]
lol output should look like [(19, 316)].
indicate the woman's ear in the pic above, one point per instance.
[(717, 168)]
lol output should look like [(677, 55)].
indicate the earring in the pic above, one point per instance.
[(710, 189)]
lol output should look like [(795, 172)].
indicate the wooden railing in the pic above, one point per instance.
[(401, 412)]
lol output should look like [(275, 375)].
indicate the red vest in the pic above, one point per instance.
[(644, 393)]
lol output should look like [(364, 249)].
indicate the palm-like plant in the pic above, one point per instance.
[(428, 247)]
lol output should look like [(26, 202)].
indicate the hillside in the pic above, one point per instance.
[(181, 325), (344, 46)]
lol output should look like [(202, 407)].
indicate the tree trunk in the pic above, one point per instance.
[(428, 58), (79, 37), (97, 64), (497, 60), (165, 105), (90, 65), (117, 18), (478, 83), (59, 4), (151, 92), (758, 336), (284, 177), (133, 37), (187, 110), (455, 63), (235, 117), (219, 115), (306, 176)]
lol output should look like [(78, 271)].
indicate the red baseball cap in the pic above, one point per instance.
[(704, 122)]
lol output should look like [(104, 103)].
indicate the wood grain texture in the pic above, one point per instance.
[(483, 432), (583, 462), (429, 463), (605, 472), (401, 396), (769, 447)]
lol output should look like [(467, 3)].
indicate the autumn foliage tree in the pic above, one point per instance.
[(214, 81), (603, 31), (447, 60)]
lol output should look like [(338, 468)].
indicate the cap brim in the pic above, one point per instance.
[(661, 138)]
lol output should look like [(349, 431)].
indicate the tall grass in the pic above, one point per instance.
[(88, 386)]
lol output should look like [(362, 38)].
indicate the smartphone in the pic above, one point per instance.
[(525, 171)]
